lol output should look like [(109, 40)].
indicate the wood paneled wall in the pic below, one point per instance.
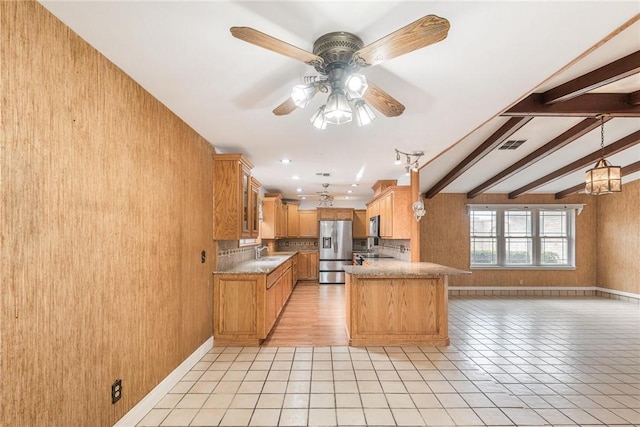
[(619, 239), (105, 205), (444, 239)]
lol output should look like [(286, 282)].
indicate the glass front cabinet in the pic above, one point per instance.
[(236, 198)]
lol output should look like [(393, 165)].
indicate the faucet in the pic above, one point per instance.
[(259, 250)]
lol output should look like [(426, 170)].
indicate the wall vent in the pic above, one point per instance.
[(512, 144), (323, 174)]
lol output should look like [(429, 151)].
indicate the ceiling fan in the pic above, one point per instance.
[(338, 57), (326, 199)]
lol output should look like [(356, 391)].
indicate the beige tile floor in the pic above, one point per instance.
[(512, 361)]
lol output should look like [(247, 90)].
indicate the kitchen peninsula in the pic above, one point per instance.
[(391, 302)]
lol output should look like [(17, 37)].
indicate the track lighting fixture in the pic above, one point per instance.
[(412, 162)]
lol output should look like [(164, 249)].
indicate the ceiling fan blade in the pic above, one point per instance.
[(273, 44), (382, 101), (285, 108), (423, 32)]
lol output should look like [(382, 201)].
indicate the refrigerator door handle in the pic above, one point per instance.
[(334, 234)]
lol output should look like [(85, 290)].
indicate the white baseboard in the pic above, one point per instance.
[(543, 290), (138, 412)]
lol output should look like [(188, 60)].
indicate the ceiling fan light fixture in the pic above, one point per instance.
[(302, 94), (356, 85), (317, 120), (364, 113), (338, 111)]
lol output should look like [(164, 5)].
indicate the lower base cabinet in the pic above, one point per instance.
[(246, 306), (308, 265)]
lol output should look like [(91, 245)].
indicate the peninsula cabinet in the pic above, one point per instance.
[(246, 306), (395, 210), (308, 222), (234, 207), (308, 265)]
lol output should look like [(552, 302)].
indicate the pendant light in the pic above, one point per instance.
[(603, 178)]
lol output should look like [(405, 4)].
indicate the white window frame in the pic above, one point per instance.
[(571, 210)]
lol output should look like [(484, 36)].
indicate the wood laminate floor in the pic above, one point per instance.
[(313, 316)]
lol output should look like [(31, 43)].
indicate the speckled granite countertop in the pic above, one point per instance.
[(264, 265), (385, 267)]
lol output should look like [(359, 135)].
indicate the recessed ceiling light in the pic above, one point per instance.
[(285, 161), (346, 197), (298, 190), (303, 197), (354, 185), (295, 177), (349, 191)]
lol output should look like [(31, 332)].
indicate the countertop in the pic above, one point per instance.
[(385, 267), (263, 265)]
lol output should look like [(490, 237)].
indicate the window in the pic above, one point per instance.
[(510, 236)]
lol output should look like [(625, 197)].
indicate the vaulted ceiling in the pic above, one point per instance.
[(536, 72)]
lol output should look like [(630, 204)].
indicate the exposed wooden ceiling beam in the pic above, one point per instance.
[(497, 138), (586, 105), (616, 147), (634, 98), (616, 70), (582, 128), (626, 170)]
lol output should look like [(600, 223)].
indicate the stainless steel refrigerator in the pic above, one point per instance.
[(336, 249)]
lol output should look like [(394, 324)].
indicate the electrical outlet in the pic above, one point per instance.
[(116, 391), (522, 281)]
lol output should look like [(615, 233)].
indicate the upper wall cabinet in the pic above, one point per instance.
[(308, 223), (395, 210), (335, 214), (360, 223), (274, 217), (234, 198)]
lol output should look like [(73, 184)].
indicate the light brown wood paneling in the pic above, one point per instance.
[(444, 239), (619, 239), (105, 200)]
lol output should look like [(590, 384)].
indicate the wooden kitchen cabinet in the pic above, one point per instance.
[(308, 223), (254, 205), (308, 265), (246, 306), (232, 201), (360, 224), (335, 214), (395, 209), (274, 217), (293, 220)]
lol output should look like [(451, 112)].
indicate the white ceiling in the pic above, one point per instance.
[(496, 53)]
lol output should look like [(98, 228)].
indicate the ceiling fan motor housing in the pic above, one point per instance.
[(336, 49)]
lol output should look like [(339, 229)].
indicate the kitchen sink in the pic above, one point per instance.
[(269, 258)]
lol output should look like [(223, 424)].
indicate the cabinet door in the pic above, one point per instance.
[(293, 220), (246, 202), (344, 214), (303, 265), (313, 265), (270, 311), (360, 224), (386, 216), (254, 204), (308, 223)]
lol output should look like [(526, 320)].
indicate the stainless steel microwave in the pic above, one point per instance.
[(374, 226)]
